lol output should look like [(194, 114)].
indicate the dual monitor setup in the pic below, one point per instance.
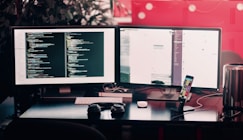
[(127, 55)]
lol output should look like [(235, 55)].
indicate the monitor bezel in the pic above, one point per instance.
[(194, 89)]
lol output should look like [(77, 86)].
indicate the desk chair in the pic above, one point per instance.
[(44, 129)]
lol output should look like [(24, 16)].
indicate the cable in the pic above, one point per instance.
[(112, 87), (216, 94), (230, 117), (200, 105), (205, 96), (185, 113)]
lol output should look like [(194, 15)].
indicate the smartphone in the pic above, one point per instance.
[(186, 87)]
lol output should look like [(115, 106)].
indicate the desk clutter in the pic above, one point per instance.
[(106, 112), (155, 111), (118, 94)]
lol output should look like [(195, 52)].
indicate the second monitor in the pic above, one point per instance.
[(165, 55)]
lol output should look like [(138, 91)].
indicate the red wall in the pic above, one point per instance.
[(217, 13)]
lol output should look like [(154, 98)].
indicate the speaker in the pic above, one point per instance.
[(95, 109), (232, 89)]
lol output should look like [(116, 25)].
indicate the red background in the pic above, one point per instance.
[(208, 13)]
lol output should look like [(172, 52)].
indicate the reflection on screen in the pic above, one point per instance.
[(151, 55)]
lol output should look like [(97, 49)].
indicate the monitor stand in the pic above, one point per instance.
[(181, 106), (178, 113), (169, 94)]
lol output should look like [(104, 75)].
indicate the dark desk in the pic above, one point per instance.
[(153, 122), (136, 123), (153, 113)]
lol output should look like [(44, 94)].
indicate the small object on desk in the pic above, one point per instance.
[(90, 100), (157, 82), (142, 104), (118, 109), (94, 108), (115, 94)]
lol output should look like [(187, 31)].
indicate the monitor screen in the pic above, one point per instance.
[(64, 55), (165, 55)]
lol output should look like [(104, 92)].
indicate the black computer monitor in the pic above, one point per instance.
[(165, 55), (67, 55)]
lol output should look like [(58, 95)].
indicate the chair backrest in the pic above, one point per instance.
[(45, 129)]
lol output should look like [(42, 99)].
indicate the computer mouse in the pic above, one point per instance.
[(142, 104)]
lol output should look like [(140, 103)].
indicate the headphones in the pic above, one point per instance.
[(95, 109)]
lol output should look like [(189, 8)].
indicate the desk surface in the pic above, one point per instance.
[(156, 111)]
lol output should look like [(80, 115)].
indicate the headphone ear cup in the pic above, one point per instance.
[(94, 111), (117, 110)]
